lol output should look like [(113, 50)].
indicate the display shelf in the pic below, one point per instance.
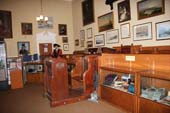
[(123, 90), (154, 87), (34, 72)]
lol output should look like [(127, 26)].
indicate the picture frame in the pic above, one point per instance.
[(106, 22), (125, 30), (112, 36), (89, 44), (150, 8), (89, 33), (24, 43), (99, 40), (66, 47), (124, 13), (5, 24), (65, 39), (163, 30), (26, 28), (82, 43), (62, 29), (88, 12), (76, 42), (142, 31), (82, 34)]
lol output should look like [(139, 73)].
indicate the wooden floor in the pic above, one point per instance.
[(30, 100)]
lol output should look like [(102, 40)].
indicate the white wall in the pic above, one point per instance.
[(27, 11), (100, 9)]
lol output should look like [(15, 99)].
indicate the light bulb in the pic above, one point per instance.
[(38, 18), (46, 18), (41, 17)]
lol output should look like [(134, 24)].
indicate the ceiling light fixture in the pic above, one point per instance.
[(41, 18)]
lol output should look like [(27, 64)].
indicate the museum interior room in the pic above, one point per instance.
[(60, 56)]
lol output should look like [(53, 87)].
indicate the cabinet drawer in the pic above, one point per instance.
[(119, 98)]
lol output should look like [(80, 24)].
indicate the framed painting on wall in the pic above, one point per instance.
[(89, 33), (88, 11), (82, 35), (163, 30), (26, 28), (23, 48), (124, 11), (99, 40), (149, 8), (105, 22), (77, 42), (65, 47), (112, 36), (62, 29), (65, 39), (125, 30), (89, 44), (5, 24), (142, 31)]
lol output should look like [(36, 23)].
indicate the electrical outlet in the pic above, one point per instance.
[(130, 58)]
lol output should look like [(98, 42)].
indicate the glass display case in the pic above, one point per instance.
[(154, 89), (3, 67), (119, 86)]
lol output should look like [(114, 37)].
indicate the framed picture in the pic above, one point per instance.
[(65, 39), (82, 43), (26, 28), (62, 29), (99, 40), (88, 11), (149, 8), (82, 35), (89, 33), (23, 48), (46, 25), (5, 24), (125, 30), (112, 36), (142, 31), (77, 42), (124, 11), (105, 22), (65, 47), (89, 44), (163, 30)]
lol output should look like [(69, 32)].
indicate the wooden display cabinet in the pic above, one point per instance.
[(34, 72), (121, 96), (153, 92)]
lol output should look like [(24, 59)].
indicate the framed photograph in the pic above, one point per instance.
[(112, 36), (105, 22), (150, 8), (89, 33), (82, 35), (65, 47), (142, 31), (82, 43), (46, 25), (23, 48), (88, 11), (62, 29), (163, 30), (89, 44), (77, 42), (125, 30), (5, 24), (99, 40), (124, 11), (65, 39), (26, 28), (40, 68)]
